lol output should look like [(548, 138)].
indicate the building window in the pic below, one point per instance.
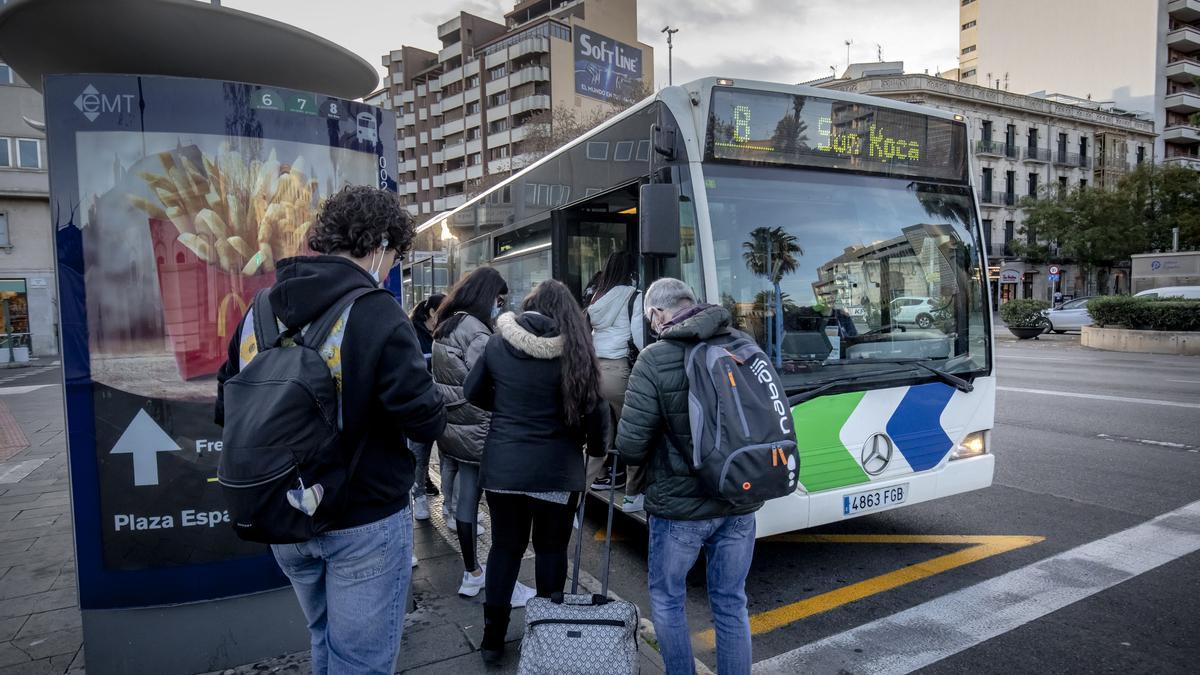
[(969, 73), (1009, 228), (969, 24), (6, 74), (29, 153), (497, 72), (967, 2), (1010, 140), (1141, 154), (986, 131), (987, 234), (4, 240), (473, 108), (1083, 148), (1033, 184), (5, 151), (1010, 183), (472, 82), (1082, 183), (968, 49), (1062, 148), (560, 31), (987, 183), (1062, 185), (474, 133)]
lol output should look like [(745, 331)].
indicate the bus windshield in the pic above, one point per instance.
[(839, 274)]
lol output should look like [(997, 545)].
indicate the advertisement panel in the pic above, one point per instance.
[(605, 69), (173, 201)]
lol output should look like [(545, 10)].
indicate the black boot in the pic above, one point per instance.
[(495, 627)]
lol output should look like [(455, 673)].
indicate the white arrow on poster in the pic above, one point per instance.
[(144, 439)]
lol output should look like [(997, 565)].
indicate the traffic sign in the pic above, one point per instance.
[(1053, 277), (1054, 269)]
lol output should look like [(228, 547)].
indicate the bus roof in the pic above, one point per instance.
[(700, 90)]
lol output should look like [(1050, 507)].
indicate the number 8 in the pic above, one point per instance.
[(741, 123)]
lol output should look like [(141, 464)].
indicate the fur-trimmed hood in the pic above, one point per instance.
[(531, 334)]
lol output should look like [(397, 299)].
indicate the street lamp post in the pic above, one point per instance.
[(670, 46)]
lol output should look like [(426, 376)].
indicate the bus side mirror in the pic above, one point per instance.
[(658, 219)]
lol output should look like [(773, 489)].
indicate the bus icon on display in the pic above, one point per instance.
[(367, 129)]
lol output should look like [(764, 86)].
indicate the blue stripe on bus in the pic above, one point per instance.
[(916, 426)]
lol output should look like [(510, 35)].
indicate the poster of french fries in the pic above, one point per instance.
[(183, 230)]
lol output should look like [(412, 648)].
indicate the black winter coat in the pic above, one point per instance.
[(529, 447), (657, 401), (387, 394)]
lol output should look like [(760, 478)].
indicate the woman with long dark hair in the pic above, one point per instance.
[(539, 378), (464, 324), (613, 314), (424, 319)]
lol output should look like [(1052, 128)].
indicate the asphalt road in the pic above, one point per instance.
[(1087, 444)]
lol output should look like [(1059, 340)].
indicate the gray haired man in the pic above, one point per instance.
[(683, 517)]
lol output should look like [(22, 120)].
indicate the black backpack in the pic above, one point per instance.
[(743, 439), (284, 464)]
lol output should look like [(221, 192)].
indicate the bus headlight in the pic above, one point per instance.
[(973, 445)]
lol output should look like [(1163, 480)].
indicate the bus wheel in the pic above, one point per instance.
[(924, 321)]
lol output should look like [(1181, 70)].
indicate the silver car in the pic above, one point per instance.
[(1071, 315)]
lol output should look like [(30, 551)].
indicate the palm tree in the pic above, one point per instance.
[(772, 252)]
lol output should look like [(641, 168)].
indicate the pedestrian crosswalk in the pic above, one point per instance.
[(16, 374)]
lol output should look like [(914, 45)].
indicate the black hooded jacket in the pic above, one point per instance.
[(529, 446), (387, 394)]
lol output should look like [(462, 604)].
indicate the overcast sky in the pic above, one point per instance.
[(776, 40)]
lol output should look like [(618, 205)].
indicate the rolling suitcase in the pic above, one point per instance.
[(578, 634)]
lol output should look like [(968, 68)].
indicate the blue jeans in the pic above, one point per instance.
[(728, 545), (353, 585)]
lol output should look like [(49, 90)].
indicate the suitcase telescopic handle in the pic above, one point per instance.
[(612, 496)]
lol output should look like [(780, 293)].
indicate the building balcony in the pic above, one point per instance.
[(449, 28), (1037, 155), (1184, 10), (498, 112), (997, 198), (439, 156), (535, 102), (455, 176), (1181, 135), (435, 84), (422, 114), (410, 165), (439, 204), (499, 165), (408, 95), (474, 146), (408, 119), (410, 187), (495, 58), (1183, 71), (435, 109), (455, 151), (530, 74), (436, 134), (524, 159), (450, 52), (452, 102), (1085, 162), (413, 209), (454, 127), (439, 181), (522, 132), (471, 68), (1188, 161), (1063, 158), (472, 121), (422, 90), (1183, 102), (1186, 40), (475, 172), (450, 77), (989, 148), (424, 160), (410, 142), (531, 45), (423, 137), (455, 201), (498, 139), (496, 86), (997, 251), (1117, 165), (425, 184)]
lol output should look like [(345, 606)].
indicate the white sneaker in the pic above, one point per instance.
[(633, 504), (522, 594), (471, 584), (421, 508), (415, 560)]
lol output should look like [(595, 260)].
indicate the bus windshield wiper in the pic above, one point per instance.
[(945, 375), (821, 386)]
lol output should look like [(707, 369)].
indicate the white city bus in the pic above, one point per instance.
[(812, 215)]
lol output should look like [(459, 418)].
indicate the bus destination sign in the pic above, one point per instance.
[(780, 128)]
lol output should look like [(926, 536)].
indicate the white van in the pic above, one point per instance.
[(1187, 292)]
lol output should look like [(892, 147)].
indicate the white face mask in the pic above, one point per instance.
[(377, 266)]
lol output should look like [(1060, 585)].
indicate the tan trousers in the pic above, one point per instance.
[(614, 378)]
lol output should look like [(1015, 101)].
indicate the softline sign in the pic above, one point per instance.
[(606, 69)]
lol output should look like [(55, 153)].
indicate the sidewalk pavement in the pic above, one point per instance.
[(40, 627)]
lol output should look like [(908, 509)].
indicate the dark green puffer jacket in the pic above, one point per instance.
[(656, 398)]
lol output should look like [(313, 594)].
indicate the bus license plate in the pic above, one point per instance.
[(874, 499)]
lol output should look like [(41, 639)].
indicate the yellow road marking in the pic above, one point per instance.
[(985, 546)]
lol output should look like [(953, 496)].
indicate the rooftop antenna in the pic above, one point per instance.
[(848, 43), (879, 52), (1006, 82)]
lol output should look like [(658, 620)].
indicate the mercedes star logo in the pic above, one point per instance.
[(877, 453)]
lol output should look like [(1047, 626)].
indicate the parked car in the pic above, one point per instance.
[(1071, 315), (1189, 292), (915, 310)]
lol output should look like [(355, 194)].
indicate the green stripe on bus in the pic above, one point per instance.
[(825, 462)]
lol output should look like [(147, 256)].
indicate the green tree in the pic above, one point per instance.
[(772, 252)]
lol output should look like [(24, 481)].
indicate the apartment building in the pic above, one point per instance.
[(465, 111), (28, 306), (1023, 146), (1142, 56)]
